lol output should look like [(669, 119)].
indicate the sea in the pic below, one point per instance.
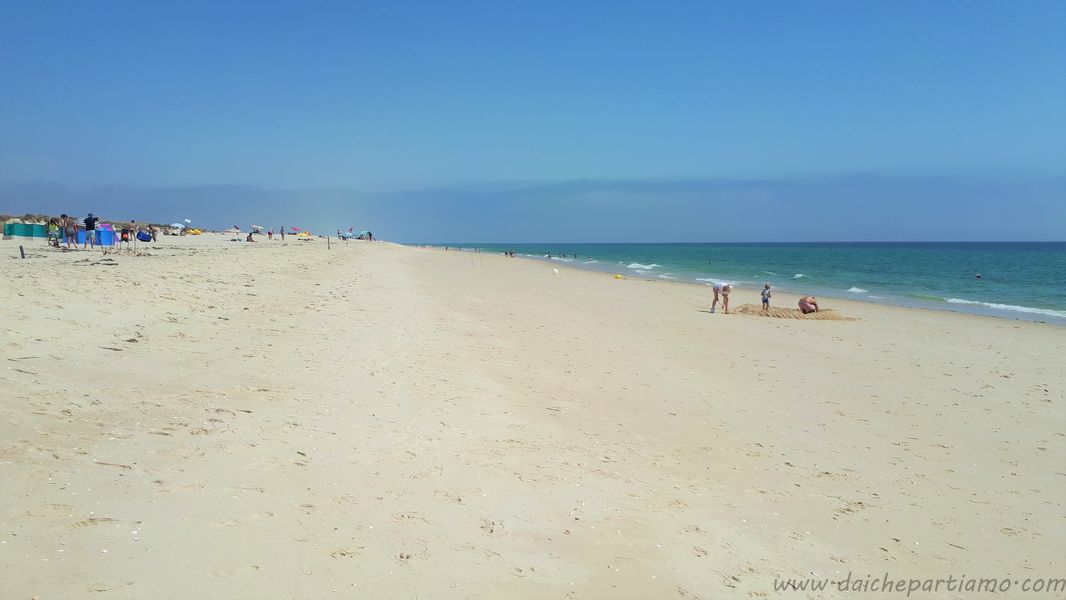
[(1016, 280)]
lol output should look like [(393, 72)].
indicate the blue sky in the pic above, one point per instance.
[(440, 97)]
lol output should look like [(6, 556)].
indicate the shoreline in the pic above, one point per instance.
[(956, 306)]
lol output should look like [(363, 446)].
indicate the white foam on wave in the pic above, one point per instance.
[(857, 290), (707, 280), (591, 262), (639, 266), (667, 276), (1011, 307), (562, 259), (798, 276), (769, 273)]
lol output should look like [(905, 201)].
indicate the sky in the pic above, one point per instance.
[(568, 115)]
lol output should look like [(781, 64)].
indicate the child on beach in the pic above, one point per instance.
[(53, 232), (766, 297)]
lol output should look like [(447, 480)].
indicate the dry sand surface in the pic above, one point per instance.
[(279, 420)]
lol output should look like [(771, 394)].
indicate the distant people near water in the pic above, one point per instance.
[(270, 234), (249, 238), (808, 304), (90, 231), (721, 290), (282, 233), (370, 236), (979, 276), (766, 297), (153, 232)]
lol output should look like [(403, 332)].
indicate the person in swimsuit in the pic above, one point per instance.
[(722, 290), (766, 297), (808, 304), (70, 231)]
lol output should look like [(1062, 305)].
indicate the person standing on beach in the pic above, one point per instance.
[(283, 233), (766, 297), (90, 232), (70, 230), (722, 290)]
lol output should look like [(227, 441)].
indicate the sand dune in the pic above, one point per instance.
[(229, 420)]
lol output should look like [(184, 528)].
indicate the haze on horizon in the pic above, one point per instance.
[(544, 121)]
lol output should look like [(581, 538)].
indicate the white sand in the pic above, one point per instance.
[(230, 420)]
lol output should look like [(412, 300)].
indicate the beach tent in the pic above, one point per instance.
[(177, 226)]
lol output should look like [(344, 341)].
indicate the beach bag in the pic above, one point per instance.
[(144, 236)]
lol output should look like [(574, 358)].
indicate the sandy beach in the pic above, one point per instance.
[(282, 420)]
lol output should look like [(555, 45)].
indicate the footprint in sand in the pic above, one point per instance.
[(346, 552), (493, 528), (245, 570), (91, 522), (50, 510), (409, 517), (252, 518)]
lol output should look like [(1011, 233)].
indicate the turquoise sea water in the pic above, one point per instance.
[(1018, 280)]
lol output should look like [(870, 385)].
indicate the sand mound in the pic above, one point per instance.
[(790, 313)]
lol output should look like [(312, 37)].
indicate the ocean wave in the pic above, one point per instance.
[(857, 290), (1011, 307), (769, 273), (591, 262), (666, 276), (639, 266), (706, 280), (798, 276)]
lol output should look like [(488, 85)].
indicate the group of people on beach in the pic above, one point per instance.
[(807, 304), (65, 227)]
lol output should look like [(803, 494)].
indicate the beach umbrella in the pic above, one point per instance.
[(177, 225), (188, 221)]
